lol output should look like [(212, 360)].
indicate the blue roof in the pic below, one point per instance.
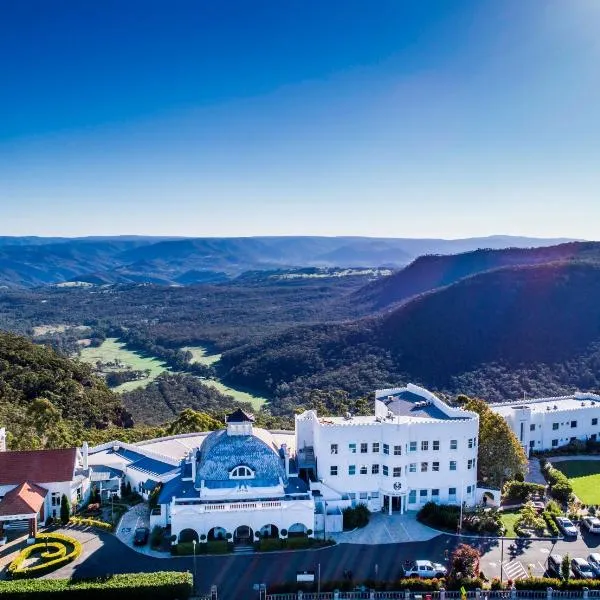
[(178, 489), (296, 486), (139, 462), (221, 452)]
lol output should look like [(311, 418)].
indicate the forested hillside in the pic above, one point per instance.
[(497, 334)]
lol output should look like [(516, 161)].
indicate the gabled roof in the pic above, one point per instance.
[(39, 466), (239, 416), (25, 499)]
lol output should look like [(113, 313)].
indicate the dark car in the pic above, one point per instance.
[(555, 565), (140, 537), (582, 569)]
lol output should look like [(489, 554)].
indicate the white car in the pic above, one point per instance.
[(592, 524), (425, 569), (566, 526), (594, 562)]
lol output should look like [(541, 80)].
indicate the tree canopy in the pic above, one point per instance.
[(500, 455)]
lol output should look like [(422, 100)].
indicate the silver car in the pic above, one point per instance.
[(594, 562), (581, 569), (566, 526)]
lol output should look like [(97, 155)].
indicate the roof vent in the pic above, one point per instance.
[(583, 404), (390, 398), (390, 414), (547, 408), (378, 419), (348, 416), (593, 403)]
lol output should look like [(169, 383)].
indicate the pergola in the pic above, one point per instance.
[(26, 501)]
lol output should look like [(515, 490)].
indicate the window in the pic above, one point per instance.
[(470, 463), (554, 443), (397, 450), (333, 470), (532, 427), (385, 470), (55, 499), (424, 467), (376, 447), (334, 448), (453, 444), (470, 444), (435, 466), (364, 448), (351, 469), (531, 443), (453, 465), (554, 426), (424, 446), (363, 495), (423, 494), (452, 492), (364, 470), (397, 471), (78, 494), (573, 424), (469, 489), (412, 496), (413, 447), (412, 468), (436, 444), (352, 448), (386, 449), (241, 473), (435, 493), (374, 469), (374, 495), (594, 421)]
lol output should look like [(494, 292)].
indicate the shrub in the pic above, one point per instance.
[(464, 562), (71, 549), (560, 486), (443, 516), (131, 586), (357, 516), (156, 537), (551, 524), (65, 509), (91, 523), (537, 583), (520, 491)]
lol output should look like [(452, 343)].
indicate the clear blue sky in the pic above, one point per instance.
[(210, 117)]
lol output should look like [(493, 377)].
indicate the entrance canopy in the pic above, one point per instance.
[(23, 502)]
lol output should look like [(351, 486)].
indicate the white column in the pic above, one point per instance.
[(389, 505)]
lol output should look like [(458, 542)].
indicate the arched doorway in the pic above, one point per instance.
[(217, 533), (188, 535), (269, 531), (297, 530), (243, 535)]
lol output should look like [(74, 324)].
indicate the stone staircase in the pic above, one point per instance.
[(243, 549)]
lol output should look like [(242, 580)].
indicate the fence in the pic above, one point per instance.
[(512, 594)]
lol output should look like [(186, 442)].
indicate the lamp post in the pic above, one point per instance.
[(318, 580), (194, 548)]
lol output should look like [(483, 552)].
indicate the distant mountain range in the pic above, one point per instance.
[(36, 261), (488, 323)]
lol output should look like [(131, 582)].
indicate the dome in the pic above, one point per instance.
[(221, 453)]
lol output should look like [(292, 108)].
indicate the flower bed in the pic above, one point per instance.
[(54, 549)]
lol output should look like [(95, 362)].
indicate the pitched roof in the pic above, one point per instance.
[(239, 416), (25, 499), (39, 466)]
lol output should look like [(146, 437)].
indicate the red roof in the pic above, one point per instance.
[(39, 466), (25, 499)]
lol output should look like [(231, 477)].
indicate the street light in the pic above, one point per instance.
[(194, 548)]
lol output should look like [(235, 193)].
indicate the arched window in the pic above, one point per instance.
[(241, 472)]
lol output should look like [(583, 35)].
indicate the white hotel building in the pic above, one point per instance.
[(546, 423), (412, 450)]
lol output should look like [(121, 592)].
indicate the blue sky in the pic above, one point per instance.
[(421, 118)]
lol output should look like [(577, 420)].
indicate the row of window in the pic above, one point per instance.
[(573, 424), (353, 447), (397, 471), (435, 494)]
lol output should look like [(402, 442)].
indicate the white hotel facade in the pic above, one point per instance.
[(412, 450), (547, 423)]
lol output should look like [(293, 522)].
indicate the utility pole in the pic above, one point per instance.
[(318, 580)]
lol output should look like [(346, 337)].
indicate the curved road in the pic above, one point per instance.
[(235, 574)]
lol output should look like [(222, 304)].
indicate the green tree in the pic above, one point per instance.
[(190, 421), (529, 518), (65, 509), (500, 455), (565, 567)]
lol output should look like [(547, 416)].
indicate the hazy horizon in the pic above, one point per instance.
[(383, 119)]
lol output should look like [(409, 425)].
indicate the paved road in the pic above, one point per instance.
[(235, 575)]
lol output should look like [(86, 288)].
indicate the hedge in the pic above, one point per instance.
[(91, 523), (551, 523), (132, 586), (520, 491), (71, 549), (541, 583), (560, 486)]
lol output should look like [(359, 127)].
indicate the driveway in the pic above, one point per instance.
[(137, 516)]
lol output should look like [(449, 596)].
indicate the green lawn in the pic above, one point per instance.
[(240, 396), (111, 349), (584, 476), (509, 518), (200, 355)]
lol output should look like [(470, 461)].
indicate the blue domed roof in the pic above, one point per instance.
[(220, 453)]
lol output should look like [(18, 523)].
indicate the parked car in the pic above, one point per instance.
[(594, 562), (592, 524), (581, 569), (566, 526), (555, 566), (424, 568), (140, 537)]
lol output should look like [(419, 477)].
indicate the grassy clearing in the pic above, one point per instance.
[(584, 476), (201, 356), (111, 349), (256, 401), (40, 330), (509, 518)]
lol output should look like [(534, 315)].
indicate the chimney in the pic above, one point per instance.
[(84, 454)]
